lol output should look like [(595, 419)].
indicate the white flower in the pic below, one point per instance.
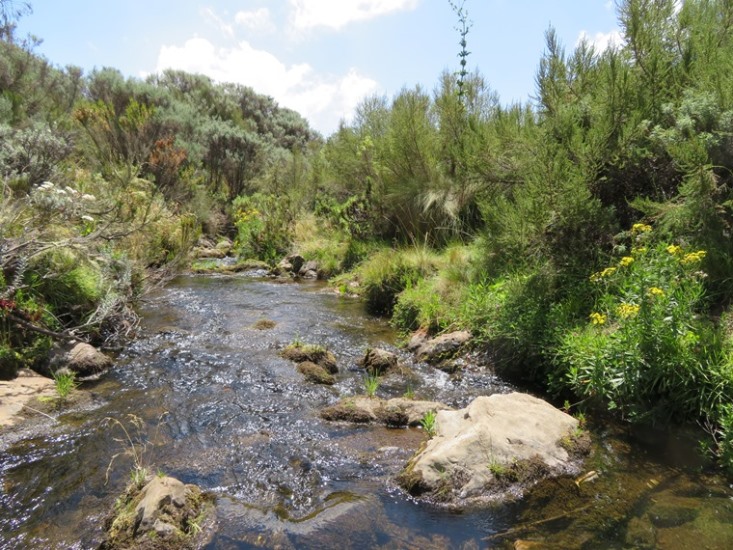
[(87, 197), (71, 190), (60, 191)]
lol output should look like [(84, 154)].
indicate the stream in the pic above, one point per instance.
[(205, 390)]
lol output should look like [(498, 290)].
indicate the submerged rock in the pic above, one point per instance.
[(165, 513), (500, 442), (316, 373)]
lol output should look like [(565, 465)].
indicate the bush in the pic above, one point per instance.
[(263, 225), (389, 272), (645, 351)]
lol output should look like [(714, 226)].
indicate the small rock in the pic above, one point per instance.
[(309, 270), (378, 361), (82, 359)]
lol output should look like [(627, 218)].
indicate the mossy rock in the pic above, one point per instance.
[(163, 514), (358, 410), (315, 373), (299, 353)]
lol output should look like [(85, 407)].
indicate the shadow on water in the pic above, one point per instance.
[(221, 409)]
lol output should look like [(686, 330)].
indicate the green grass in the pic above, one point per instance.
[(371, 385), (428, 423), (65, 383)]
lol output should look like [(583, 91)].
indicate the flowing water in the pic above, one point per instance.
[(220, 408)]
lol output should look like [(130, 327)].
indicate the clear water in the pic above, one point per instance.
[(221, 409)]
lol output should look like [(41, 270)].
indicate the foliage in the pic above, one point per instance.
[(428, 422), (371, 384), (65, 383), (645, 350), (263, 225), (389, 272)]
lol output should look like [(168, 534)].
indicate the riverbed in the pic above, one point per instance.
[(203, 395)]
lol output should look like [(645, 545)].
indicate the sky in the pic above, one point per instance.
[(318, 57)]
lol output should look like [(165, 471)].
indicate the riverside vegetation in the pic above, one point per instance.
[(583, 238)]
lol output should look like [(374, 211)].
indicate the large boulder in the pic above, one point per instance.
[(165, 513), (498, 443)]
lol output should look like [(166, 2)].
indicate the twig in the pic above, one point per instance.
[(526, 526)]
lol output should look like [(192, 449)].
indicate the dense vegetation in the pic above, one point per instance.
[(584, 238)]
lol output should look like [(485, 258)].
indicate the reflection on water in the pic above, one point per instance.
[(224, 411)]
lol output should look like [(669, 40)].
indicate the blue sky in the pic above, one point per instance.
[(319, 57)]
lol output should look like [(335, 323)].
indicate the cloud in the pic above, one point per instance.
[(601, 41), (258, 20), (322, 99), (308, 14)]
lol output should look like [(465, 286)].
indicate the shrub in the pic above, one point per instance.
[(389, 272), (645, 351), (263, 225)]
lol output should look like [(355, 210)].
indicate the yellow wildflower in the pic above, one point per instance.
[(640, 228), (656, 291), (693, 257), (598, 275), (626, 311), (638, 250), (597, 318), (674, 249), (626, 261)]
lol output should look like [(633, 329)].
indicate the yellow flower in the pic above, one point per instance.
[(640, 228), (597, 276), (597, 318), (674, 249), (638, 250), (656, 291), (626, 261), (693, 257), (626, 311)]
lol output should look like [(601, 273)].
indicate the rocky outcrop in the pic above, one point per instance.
[(501, 443), (397, 412), (316, 373), (165, 513), (441, 350), (378, 361)]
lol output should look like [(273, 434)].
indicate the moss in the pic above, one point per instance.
[(315, 373), (299, 353), (264, 324)]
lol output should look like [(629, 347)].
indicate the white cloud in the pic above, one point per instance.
[(601, 41), (322, 99), (258, 20), (307, 14)]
